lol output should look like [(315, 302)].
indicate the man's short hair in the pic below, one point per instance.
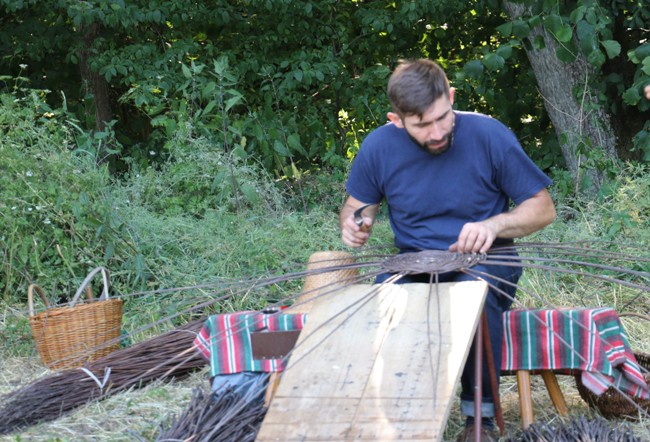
[(415, 85)]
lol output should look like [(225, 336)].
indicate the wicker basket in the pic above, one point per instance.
[(70, 336), (613, 404)]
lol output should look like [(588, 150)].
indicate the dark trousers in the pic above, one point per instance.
[(496, 303)]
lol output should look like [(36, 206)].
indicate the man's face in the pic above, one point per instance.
[(434, 130)]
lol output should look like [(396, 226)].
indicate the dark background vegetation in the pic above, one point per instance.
[(175, 141)]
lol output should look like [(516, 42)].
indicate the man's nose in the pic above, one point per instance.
[(436, 131)]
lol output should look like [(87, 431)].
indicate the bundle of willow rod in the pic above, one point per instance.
[(228, 417), (166, 356), (577, 429)]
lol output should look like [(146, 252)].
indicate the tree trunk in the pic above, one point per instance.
[(582, 126), (96, 86)]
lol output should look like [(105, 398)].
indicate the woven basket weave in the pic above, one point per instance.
[(612, 404), (317, 282), (70, 336)]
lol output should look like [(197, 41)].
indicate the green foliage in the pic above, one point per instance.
[(198, 176), (62, 215), (619, 215), (56, 213), (611, 37)]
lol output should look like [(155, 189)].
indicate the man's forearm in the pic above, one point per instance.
[(530, 216)]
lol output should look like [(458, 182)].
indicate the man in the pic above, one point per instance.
[(448, 178)]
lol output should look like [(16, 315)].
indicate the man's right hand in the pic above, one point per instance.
[(352, 233)]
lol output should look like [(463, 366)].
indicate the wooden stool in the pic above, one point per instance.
[(525, 395)]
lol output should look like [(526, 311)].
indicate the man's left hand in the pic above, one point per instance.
[(474, 238)]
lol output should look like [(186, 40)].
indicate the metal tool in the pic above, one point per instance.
[(358, 215)]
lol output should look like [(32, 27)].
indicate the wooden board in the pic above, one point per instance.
[(369, 365)]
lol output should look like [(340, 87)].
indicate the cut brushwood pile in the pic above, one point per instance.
[(166, 356)]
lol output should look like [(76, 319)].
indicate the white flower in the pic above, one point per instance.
[(29, 173), (47, 221)]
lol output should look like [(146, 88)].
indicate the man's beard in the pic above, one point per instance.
[(439, 150)]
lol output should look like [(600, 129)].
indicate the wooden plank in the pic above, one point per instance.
[(370, 365)]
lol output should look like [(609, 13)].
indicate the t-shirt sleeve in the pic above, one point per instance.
[(517, 174), (362, 182)]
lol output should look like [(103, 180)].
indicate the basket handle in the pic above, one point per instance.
[(30, 297), (638, 315), (86, 281)]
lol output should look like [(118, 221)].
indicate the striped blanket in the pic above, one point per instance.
[(591, 340), (225, 340)]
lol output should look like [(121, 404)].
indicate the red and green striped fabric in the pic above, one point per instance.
[(591, 340), (225, 340)]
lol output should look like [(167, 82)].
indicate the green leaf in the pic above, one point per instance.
[(631, 96), (534, 21), (208, 89), (186, 71), (250, 193), (553, 23), (565, 55), (520, 28), (596, 58), (578, 14), (473, 69), (240, 152), (642, 51), (293, 141), (586, 34), (295, 172), (564, 34), (208, 108), (505, 29), (233, 101), (281, 149), (645, 66), (505, 51), (612, 47), (493, 62)]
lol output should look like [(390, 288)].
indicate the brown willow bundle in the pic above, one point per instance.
[(228, 417), (169, 355), (577, 429)]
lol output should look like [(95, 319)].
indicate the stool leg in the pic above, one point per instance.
[(525, 398), (274, 382), (554, 392)]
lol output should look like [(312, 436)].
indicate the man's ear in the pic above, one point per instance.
[(395, 119), (452, 91)]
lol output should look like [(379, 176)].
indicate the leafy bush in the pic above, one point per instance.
[(56, 210), (198, 176)]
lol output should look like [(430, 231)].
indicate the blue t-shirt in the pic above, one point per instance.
[(431, 197)]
